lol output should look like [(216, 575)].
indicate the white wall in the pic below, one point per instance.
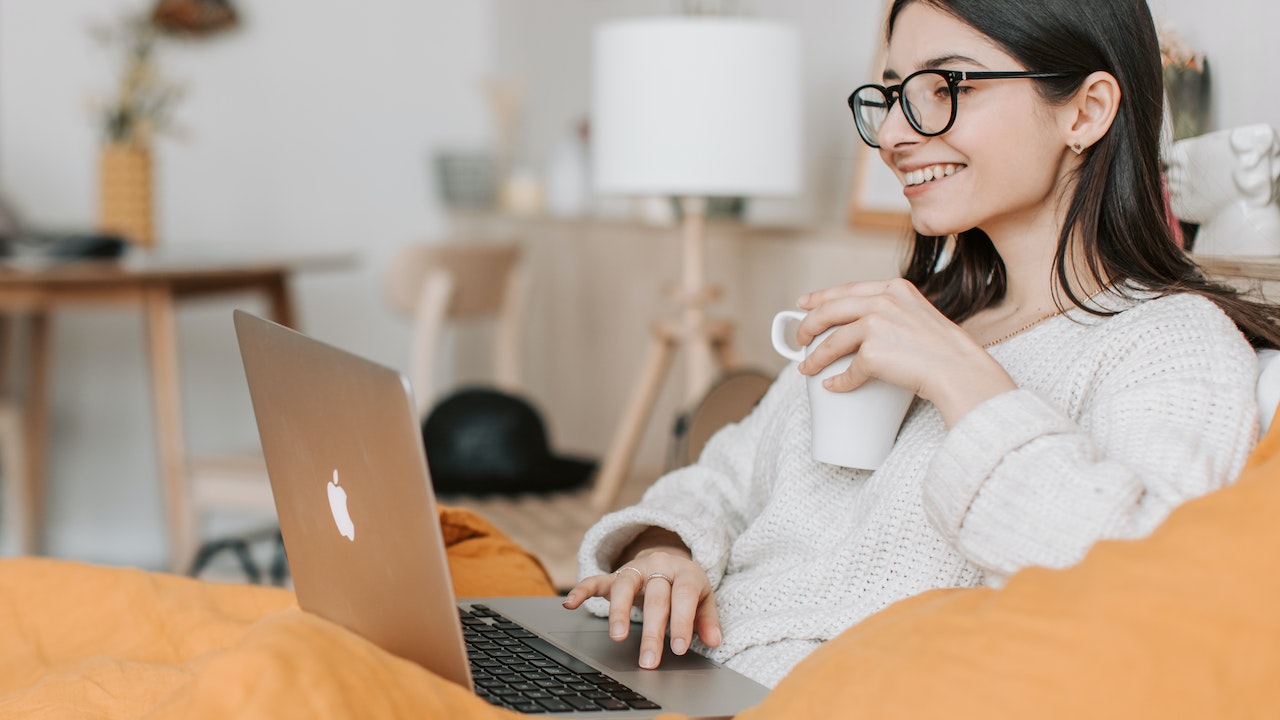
[(1238, 38), (310, 126)]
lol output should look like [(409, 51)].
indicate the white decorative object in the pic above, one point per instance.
[(690, 107), (1228, 182), (568, 177)]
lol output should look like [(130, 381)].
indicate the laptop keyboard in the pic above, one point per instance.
[(514, 668)]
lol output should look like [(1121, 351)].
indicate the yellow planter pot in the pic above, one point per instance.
[(125, 204)]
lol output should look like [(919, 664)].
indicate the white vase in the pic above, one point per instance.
[(568, 186)]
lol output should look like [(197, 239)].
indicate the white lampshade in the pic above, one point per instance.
[(696, 106)]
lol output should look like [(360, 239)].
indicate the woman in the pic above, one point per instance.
[(1076, 376)]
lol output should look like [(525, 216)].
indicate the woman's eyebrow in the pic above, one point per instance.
[(945, 60), (941, 61)]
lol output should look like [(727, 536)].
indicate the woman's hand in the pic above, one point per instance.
[(899, 337), (673, 590)]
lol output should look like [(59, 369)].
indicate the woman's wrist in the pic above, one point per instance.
[(652, 540), (970, 386)]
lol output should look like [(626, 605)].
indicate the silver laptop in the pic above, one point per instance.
[(344, 453)]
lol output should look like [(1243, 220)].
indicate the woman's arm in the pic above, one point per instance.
[(1018, 481), (667, 553)]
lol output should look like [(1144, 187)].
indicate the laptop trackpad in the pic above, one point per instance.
[(624, 656)]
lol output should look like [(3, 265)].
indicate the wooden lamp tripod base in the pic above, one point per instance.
[(707, 342)]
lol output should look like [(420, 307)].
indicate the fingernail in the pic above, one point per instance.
[(567, 599), (616, 630), (648, 659), (829, 383), (713, 637), (803, 299), (678, 646)]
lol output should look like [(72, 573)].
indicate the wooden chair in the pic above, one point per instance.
[(438, 284)]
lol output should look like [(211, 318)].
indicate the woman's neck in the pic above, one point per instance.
[(1031, 282)]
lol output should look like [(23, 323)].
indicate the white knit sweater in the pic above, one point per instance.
[(1116, 421)]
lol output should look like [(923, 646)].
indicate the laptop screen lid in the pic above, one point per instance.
[(334, 429), (358, 515)]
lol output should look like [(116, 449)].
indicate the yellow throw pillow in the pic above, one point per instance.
[(1184, 623)]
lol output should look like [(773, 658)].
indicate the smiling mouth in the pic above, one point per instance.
[(930, 173)]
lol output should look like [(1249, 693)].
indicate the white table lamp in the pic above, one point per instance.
[(690, 107)]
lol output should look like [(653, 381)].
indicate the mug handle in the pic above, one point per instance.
[(782, 340)]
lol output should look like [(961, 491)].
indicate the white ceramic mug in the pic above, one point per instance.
[(854, 429)]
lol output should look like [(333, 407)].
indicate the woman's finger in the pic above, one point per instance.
[(594, 586), (845, 340), (626, 585), (657, 610), (707, 621), (686, 592), (861, 288)]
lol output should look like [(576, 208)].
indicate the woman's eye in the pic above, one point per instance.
[(963, 89)]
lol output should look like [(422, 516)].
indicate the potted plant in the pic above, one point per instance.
[(137, 109)]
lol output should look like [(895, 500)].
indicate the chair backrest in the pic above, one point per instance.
[(728, 400), (437, 283)]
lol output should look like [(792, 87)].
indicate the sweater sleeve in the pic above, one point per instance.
[(1020, 482), (707, 503)]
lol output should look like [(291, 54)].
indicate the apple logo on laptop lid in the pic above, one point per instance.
[(338, 506)]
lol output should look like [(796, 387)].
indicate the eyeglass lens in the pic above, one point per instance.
[(927, 102)]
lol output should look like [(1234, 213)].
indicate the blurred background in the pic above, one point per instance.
[(324, 126)]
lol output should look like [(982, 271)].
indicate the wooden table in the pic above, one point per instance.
[(1266, 269), (153, 281)]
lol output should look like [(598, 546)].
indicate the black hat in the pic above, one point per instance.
[(480, 440)]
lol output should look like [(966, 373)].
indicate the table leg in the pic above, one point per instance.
[(165, 389), (626, 440), (281, 301), (37, 434)]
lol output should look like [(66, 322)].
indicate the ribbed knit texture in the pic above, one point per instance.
[(1116, 421)]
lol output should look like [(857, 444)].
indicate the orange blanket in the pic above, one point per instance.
[(78, 641)]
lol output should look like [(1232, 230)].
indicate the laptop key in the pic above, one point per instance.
[(563, 691), (504, 691), (554, 705), (528, 708), (563, 658), (611, 704), (643, 704), (580, 703)]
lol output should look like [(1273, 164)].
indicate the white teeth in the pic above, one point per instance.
[(932, 172)]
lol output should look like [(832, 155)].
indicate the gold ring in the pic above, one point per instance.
[(628, 567), (659, 575)]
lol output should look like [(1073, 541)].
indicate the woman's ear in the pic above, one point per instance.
[(1088, 116)]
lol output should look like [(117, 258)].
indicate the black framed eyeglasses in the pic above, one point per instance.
[(927, 97)]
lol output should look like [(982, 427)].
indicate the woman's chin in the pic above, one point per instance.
[(932, 228)]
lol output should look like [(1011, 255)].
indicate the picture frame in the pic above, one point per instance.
[(875, 198)]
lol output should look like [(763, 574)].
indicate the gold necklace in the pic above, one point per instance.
[(1023, 329)]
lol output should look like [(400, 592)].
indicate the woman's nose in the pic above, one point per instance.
[(895, 130)]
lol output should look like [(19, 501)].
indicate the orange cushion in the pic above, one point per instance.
[(484, 562), (1185, 623)]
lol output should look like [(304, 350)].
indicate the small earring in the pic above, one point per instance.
[(1076, 148)]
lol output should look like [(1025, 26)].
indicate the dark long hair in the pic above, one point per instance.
[(1116, 211)]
